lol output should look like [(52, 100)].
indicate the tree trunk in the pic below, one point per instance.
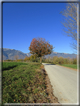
[(40, 59)]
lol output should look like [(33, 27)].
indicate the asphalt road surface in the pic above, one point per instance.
[(64, 82)]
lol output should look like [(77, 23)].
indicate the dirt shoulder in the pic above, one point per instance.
[(49, 88)]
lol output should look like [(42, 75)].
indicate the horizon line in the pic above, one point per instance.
[(52, 52)]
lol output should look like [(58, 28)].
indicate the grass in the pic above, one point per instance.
[(74, 66), (8, 65), (23, 84)]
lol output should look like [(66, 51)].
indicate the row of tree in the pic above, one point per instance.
[(60, 60), (54, 60)]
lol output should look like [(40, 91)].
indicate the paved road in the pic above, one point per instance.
[(64, 82)]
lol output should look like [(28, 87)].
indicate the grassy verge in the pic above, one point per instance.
[(24, 83), (74, 66), (8, 65)]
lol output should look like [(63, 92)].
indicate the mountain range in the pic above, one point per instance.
[(10, 53)]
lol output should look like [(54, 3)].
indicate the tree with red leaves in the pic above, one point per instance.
[(40, 47)]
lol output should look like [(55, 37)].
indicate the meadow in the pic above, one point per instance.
[(23, 83), (74, 66)]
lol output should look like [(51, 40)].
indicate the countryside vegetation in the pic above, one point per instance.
[(26, 83), (68, 62), (24, 80)]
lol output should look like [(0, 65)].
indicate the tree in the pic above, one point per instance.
[(50, 59), (40, 47), (60, 60), (16, 57), (26, 58), (74, 60), (55, 60), (20, 60), (70, 22), (33, 58)]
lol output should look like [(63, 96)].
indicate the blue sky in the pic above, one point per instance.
[(24, 21)]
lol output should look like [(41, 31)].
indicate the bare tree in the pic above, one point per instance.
[(70, 22)]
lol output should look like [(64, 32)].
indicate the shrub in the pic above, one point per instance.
[(55, 59), (9, 60), (74, 61)]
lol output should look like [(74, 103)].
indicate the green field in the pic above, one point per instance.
[(8, 65), (23, 84), (74, 66)]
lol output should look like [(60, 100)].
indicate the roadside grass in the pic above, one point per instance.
[(23, 83), (74, 66), (8, 65)]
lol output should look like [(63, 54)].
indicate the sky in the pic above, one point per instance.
[(24, 21)]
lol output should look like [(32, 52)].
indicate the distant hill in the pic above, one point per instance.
[(64, 55), (10, 53)]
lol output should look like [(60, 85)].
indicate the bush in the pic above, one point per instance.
[(55, 60), (74, 61), (8, 60), (20, 60), (60, 60)]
